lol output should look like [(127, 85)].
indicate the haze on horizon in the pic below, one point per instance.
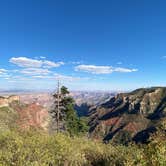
[(88, 45)]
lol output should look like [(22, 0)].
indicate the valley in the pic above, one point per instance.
[(130, 124), (111, 116)]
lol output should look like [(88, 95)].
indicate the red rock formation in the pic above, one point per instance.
[(32, 115)]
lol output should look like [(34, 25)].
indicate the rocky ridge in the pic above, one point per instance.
[(26, 115), (130, 116)]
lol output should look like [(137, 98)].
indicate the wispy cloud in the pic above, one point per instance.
[(2, 71), (163, 57), (76, 62), (5, 74), (65, 77), (35, 71), (41, 76), (124, 70), (102, 69), (28, 72), (119, 63), (57, 77), (26, 62), (50, 64), (42, 57), (34, 63)]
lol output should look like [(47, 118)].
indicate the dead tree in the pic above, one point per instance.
[(57, 113)]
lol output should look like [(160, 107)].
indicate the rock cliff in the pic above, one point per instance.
[(129, 116)]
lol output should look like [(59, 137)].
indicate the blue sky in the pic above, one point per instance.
[(89, 45)]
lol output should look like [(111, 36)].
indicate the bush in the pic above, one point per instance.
[(36, 148), (7, 118)]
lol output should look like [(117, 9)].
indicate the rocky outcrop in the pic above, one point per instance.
[(28, 115), (13, 98), (129, 114), (5, 101), (32, 115)]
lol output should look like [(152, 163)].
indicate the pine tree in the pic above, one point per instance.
[(57, 110), (64, 117)]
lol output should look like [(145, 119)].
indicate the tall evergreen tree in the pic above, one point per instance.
[(64, 117)]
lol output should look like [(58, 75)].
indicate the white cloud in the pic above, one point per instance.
[(34, 63), (102, 69), (35, 71), (65, 78), (39, 76), (50, 64), (3, 71), (7, 78), (57, 77), (119, 63), (26, 62), (94, 69), (124, 70), (46, 77), (4, 74), (76, 62), (42, 57)]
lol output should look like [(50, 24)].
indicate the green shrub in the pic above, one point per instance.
[(7, 118), (36, 148)]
